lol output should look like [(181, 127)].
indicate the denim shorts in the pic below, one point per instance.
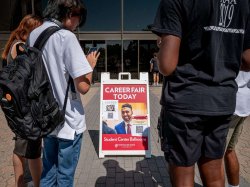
[(185, 138)]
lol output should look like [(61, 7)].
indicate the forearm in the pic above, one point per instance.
[(89, 77), (168, 54), (83, 83), (245, 65)]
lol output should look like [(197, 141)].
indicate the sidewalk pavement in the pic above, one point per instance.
[(118, 171)]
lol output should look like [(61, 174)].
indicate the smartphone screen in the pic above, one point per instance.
[(92, 49)]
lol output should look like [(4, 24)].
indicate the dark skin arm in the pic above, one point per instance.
[(168, 54), (245, 66)]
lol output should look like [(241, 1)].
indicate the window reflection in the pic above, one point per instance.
[(114, 64), (12, 12), (147, 49), (130, 57), (100, 66), (139, 14), (103, 15)]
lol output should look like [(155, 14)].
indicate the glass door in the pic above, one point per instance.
[(114, 64), (130, 57), (100, 65), (147, 49)]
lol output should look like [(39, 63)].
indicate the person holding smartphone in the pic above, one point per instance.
[(64, 58), (94, 77), (92, 49)]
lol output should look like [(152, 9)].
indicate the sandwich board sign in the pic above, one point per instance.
[(124, 116)]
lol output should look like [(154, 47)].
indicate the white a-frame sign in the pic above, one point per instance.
[(124, 116)]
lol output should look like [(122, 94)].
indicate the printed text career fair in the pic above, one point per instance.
[(124, 92)]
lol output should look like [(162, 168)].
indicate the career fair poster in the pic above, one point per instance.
[(124, 119)]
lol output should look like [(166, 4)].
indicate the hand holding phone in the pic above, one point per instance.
[(92, 49), (93, 57)]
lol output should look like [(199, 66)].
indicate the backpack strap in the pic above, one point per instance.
[(70, 82), (44, 36), (40, 42)]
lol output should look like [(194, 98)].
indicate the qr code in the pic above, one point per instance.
[(110, 115), (139, 129), (110, 108)]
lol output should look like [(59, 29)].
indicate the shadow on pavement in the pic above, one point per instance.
[(94, 135), (151, 172), (143, 175)]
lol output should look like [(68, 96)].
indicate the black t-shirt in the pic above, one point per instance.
[(155, 64), (212, 34)]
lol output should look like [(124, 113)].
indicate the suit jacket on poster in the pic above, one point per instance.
[(120, 128)]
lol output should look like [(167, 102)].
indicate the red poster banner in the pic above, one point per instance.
[(125, 93), (124, 127)]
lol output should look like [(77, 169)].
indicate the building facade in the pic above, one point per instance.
[(119, 28)]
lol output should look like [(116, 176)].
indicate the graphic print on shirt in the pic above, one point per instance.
[(226, 12), (227, 9)]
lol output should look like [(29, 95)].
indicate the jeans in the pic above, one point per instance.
[(60, 158)]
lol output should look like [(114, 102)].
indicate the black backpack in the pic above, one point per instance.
[(26, 96)]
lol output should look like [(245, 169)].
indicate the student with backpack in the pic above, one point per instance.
[(24, 149), (64, 58)]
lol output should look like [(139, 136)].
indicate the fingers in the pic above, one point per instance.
[(92, 58), (97, 54)]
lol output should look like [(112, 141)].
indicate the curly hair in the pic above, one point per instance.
[(28, 23), (61, 9)]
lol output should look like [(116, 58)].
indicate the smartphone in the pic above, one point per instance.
[(92, 49)]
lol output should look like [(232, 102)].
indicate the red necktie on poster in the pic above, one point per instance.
[(128, 128)]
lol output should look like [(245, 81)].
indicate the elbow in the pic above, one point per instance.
[(245, 65), (166, 71), (82, 84), (167, 65), (83, 89)]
